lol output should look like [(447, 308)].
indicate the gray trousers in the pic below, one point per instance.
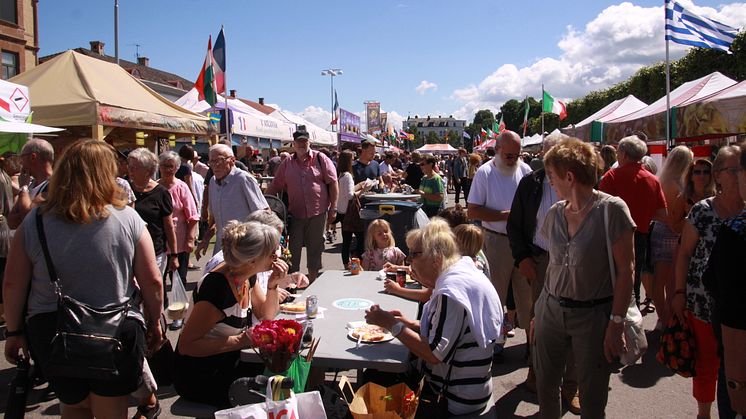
[(559, 330), (308, 233), (496, 248)]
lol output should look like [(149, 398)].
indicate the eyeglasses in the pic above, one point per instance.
[(732, 170), (703, 172), (511, 156), (168, 166), (219, 160)]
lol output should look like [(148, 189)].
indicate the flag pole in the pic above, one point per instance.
[(668, 100), (228, 127), (542, 109)]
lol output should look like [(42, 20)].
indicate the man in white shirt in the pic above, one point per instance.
[(490, 200)]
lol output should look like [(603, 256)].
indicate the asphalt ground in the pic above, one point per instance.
[(645, 390)]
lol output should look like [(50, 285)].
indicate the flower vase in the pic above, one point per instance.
[(279, 362)]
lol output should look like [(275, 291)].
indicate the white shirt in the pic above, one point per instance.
[(495, 191), (198, 186), (346, 189), (548, 198), (384, 168)]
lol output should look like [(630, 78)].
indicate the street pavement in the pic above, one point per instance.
[(646, 390)]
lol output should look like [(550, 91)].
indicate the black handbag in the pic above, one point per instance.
[(352, 221), (87, 343), (161, 362)]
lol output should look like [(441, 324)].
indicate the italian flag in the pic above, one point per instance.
[(205, 83), (552, 105)]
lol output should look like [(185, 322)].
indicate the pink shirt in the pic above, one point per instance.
[(306, 183), (373, 260), (185, 210)]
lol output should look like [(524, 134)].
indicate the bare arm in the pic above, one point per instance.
[(148, 278), (193, 342), (15, 291), (478, 212), (20, 209), (416, 344)]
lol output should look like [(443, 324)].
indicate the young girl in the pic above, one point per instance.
[(380, 247)]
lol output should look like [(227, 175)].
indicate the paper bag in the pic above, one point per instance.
[(372, 401)]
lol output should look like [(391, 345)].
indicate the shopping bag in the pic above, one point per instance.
[(279, 404), (372, 401), (178, 302), (634, 336), (298, 371), (678, 348)]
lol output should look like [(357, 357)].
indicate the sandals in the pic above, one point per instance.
[(148, 412), (647, 306)]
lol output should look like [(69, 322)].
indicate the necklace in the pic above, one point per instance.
[(588, 202)]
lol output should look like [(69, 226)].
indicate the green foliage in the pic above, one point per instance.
[(454, 139), (432, 138)]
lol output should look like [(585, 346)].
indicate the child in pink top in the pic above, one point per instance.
[(380, 247)]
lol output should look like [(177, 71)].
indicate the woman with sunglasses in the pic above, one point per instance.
[(691, 301), (207, 358), (700, 183), (431, 187)]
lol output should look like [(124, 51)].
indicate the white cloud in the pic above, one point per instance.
[(424, 86), (317, 115), (610, 48)]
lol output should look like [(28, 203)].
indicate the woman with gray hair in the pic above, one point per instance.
[(184, 215), (154, 204), (460, 322), (207, 358)]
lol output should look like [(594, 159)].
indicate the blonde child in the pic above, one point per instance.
[(470, 239), (380, 247)]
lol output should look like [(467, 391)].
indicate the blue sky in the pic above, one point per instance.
[(471, 54)]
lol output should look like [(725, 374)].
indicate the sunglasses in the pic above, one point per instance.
[(701, 172)]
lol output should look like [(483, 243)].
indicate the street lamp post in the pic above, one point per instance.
[(331, 72)]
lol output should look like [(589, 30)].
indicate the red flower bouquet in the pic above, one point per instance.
[(277, 342)]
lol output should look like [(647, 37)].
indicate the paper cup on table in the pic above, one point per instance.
[(177, 310)]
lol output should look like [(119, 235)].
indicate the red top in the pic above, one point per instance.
[(306, 183), (639, 189)]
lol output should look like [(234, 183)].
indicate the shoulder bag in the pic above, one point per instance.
[(634, 334), (352, 221), (86, 344)]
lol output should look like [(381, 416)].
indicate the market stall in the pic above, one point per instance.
[(718, 115), (591, 128)]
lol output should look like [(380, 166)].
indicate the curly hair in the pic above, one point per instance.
[(577, 157)]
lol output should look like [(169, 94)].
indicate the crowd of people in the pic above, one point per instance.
[(558, 243)]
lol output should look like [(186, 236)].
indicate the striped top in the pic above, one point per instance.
[(451, 340)]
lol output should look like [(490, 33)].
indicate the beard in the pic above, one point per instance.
[(504, 169)]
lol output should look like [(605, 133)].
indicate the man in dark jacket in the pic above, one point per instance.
[(532, 201)]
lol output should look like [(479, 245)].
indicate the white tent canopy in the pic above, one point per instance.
[(436, 149), (318, 135), (532, 140), (246, 120)]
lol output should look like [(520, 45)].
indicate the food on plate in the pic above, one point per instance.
[(369, 333), (294, 307)]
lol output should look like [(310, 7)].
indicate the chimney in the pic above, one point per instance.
[(261, 101), (233, 93), (143, 61), (97, 47)]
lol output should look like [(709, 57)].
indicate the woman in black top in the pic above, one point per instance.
[(217, 328), (153, 203)]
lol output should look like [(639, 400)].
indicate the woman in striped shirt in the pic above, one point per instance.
[(455, 356)]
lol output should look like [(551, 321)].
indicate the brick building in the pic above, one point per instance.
[(19, 36)]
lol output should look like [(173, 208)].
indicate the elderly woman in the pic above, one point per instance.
[(207, 354), (579, 308), (664, 236), (184, 216), (460, 323), (102, 254), (154, 204), (697, 239)]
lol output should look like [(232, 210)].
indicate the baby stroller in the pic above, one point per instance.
[(280, 210)]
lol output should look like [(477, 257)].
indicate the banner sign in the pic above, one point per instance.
[(373, 113), (384, 118)]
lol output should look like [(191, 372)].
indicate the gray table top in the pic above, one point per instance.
[(336, 349)]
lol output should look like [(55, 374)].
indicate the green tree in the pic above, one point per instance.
[(432, 138), (454, 139)]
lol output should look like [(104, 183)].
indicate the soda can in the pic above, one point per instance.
[(401, 277), (312, 306), (391, 276)]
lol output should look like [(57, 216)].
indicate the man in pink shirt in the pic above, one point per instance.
[(310, 180)]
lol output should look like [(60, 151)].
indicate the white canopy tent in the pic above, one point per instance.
[(246, 120), (15, 108), (318, 136), (533, 140), (616, 109), (437, 149)]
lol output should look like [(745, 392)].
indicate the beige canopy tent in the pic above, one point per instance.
[(94, 98), (718, 115)]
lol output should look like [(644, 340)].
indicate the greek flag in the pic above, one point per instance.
[(687, 28)]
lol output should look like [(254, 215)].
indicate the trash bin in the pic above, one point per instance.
[(401, 215)]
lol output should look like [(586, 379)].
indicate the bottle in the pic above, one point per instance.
[(16, 407)]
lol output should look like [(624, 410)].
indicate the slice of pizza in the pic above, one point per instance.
[(294, 307)]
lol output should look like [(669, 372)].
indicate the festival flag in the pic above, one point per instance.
[(205, 83), (501, 125), (466, 135), (525, 118), (495, 127), (483, 133), (687, 28), (552, 105), (218, 56), (403, 135), (335, 113)]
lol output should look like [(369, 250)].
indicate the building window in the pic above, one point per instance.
[(8, 11), (10, 64)]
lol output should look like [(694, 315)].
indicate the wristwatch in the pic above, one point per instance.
[(397, 328), (736, 385), (616, 319)]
